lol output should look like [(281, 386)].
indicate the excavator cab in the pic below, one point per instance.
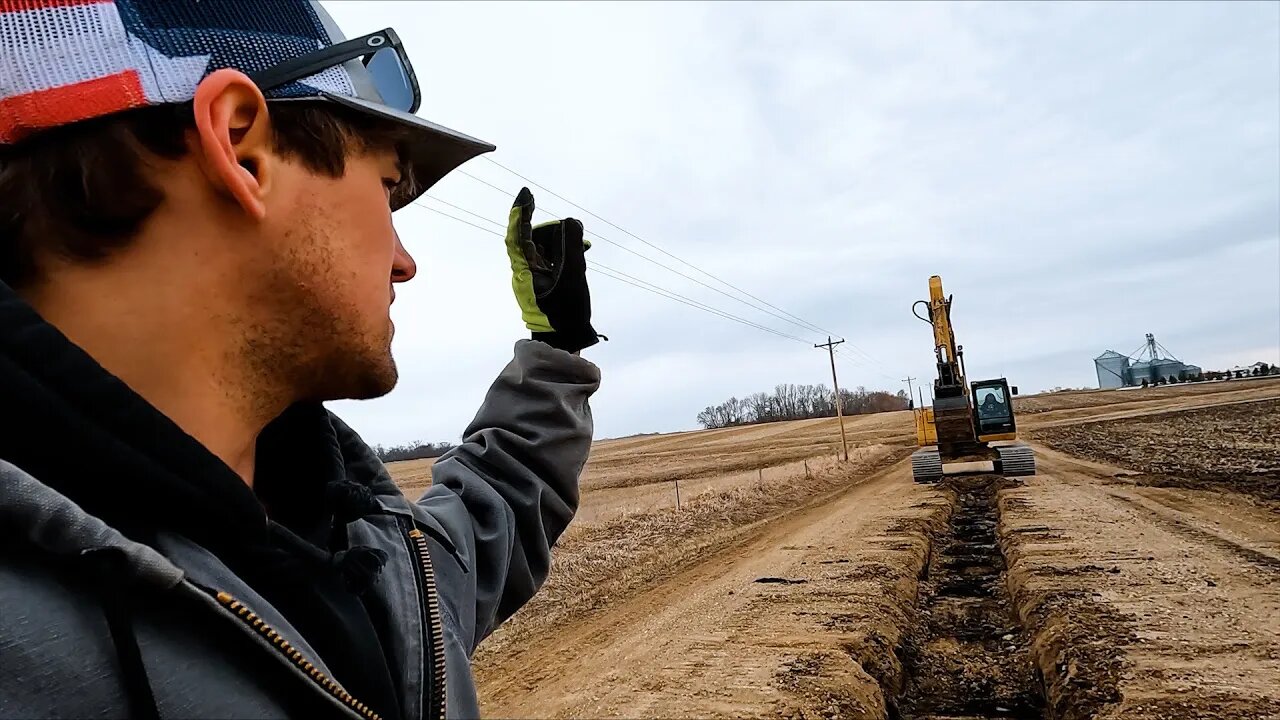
[(993, 410)]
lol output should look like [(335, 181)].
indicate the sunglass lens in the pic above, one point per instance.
[(391, 80)]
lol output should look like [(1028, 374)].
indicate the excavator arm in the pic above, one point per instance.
[(952, 407), (950, 372)]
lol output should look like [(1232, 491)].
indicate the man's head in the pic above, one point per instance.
[(272, 213), (278, 212)]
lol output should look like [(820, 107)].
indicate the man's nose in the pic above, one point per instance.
[(403, 267)]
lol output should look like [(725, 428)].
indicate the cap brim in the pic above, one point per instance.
[(434, 152)]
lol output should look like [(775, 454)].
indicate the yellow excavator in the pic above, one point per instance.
[(970, 428)]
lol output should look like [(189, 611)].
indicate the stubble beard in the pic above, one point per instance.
[(304, 343)]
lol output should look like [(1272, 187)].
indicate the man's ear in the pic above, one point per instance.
[(234, 133)]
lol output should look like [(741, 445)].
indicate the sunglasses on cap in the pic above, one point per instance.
[(388, 73), (376, 78)]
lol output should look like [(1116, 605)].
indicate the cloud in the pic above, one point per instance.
[(1079, 174)]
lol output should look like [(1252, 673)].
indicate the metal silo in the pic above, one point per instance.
[(1165, 368), (1140, 371), (1113, 370)]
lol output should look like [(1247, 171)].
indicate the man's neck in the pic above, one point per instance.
[(167, 342)]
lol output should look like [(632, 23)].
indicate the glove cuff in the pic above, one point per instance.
[(569, 341)]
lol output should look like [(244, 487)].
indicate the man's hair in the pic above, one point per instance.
[(84, 190)]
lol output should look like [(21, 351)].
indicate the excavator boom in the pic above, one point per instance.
[(952, 407), (944, 337)]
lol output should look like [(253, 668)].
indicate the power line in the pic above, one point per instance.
[(871, 358), (796, 320), (472, 214), (597, 265), (854, 362), (634, 281), (783, 316), (456, 219), (685, 301), (790, 317), (803, 326), (655, 247), (658, 290), (702, 306), (868, 357), (870, 363), (484, 182)]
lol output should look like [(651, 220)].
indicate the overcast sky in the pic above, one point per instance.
[(1079, 174)]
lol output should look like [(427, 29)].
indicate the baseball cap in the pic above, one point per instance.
[(64, 61)]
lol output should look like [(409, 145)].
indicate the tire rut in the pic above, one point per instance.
[(1165, 520)]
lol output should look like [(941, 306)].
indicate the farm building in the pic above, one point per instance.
[(1116, 370)]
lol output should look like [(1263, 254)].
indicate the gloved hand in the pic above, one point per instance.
[(549, 277)]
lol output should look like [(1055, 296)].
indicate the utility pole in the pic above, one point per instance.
[(831, 350), (910, 390)]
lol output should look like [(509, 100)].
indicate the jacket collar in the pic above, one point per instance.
[(35, 514)]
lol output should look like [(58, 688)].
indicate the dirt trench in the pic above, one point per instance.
[(969, 657)]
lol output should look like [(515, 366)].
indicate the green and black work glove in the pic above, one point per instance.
[(549, 277)]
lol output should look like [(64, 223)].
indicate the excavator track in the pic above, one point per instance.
[(1013, 461), (1016, 460), (926, 465)]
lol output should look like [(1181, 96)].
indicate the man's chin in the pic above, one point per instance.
[(366, 380), (378, 382)]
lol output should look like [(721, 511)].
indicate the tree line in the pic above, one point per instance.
[(799, 402), (412, 451)]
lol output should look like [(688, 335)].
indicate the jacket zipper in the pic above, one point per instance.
[(249, 618), (436, 700)]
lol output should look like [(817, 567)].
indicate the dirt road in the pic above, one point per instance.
[(1135, 602), (774, 625), (1182, 587)]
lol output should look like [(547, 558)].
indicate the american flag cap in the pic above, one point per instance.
[(64, 61)]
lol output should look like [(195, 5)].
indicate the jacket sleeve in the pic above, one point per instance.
[(507, 493)]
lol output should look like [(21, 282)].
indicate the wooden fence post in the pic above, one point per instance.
[(677, 494)]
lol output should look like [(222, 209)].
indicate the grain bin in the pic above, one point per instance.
[(1113, 370)]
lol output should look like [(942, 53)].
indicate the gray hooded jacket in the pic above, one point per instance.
[(200, 643)]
